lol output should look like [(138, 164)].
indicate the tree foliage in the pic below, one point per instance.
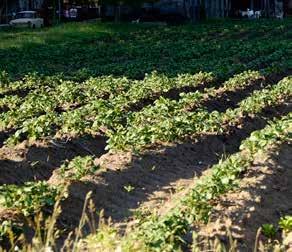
[(2, 7)]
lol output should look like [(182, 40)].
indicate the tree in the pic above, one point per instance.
[(3, 8)]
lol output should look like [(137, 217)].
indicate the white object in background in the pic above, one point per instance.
[(280, 15), (248, 13), (73, 12), (136, 21), (257, 14), (27, 19), (243, 13)]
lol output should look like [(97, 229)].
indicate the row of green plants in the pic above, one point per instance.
[(59, 95), (39, 198), (29, 198), (34, 196), (158, 234), (67, 94), (36, 115), (35, 82), (214, 121), (105, 109), (188, 101), (14, 196), (181, 124), (104, 49), (165, 108), (82, 166), (167, 232)]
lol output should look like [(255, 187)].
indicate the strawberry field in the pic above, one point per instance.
[(122, 137)]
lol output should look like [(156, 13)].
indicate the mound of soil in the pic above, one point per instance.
[(37, 161), (264, 196)]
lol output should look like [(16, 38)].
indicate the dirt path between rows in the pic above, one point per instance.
[(32, 162), (128, 182), (264, 196), (38, 161), (156, 176)]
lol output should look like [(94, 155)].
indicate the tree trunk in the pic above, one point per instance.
[(185, 9), (117, 11), (1, 10), (267, 8)]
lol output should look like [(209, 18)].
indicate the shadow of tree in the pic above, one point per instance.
[(38, 161), (155, 170)]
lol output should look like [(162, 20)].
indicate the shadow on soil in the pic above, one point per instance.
[(264, 196), (156, 170), (40, 160)]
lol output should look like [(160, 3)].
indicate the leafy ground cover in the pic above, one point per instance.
[(138, 116), (166, 233), (82, 50)]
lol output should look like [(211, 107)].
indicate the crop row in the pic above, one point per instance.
[(34, 196), (98, 113), (180, 123), (36, 116), (167, 232), (50, 95), (34, 82), (58, 94), (28, 198), (228, 54), (152, 86), (212, 122), (164, 108), (101, 53)]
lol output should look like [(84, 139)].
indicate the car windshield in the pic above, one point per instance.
[(25, 15)]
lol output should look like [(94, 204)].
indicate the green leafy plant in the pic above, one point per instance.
[(269, 230), (79, 167), (166, 232), (4, 79), (129, 188), (285, 223), (29, 198)]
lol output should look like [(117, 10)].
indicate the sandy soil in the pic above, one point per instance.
[(264, 196)]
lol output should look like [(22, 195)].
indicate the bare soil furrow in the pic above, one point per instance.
[(38, 161), (263, 197), (156, 175)]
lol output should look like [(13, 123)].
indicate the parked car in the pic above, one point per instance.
[(28, 19)]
